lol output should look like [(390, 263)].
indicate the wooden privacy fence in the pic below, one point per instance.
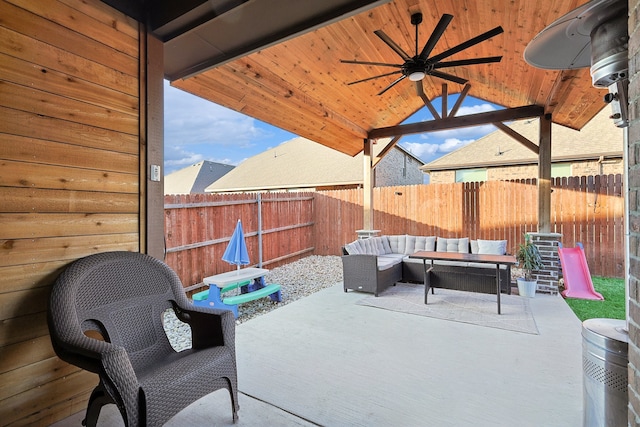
[(292, 225), (278, 228), (583, 209)]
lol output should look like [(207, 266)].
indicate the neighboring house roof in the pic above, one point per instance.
[(298, 163), (195, 178), (599, 137)]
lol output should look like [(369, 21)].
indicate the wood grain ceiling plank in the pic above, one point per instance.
[(274, 86), (300, 85)]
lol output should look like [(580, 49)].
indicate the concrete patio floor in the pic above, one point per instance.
[(324, 360)]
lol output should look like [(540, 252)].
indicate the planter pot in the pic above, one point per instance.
[(527, 288)]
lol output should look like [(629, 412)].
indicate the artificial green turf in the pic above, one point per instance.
[(613, 306)]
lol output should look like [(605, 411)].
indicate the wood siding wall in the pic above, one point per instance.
[(69, 180), (584, 209)]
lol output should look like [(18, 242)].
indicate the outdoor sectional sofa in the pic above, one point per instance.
[(372, 265)]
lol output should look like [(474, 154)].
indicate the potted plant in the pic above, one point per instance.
[(529, 259)]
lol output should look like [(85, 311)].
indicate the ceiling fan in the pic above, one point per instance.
[(420, 65)]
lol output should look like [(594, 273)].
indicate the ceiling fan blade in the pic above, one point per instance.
[(374, 77), (385, 38), (435, 35), (449, 77), (381, 64), (399, 79), (471, 61), (465, 45)]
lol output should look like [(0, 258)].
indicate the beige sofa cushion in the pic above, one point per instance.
[(372, 246), (489, 247), (353, 248), (407, 245), (460, 245), (386, 245), (493, 247), (398, 243), (422, 243)]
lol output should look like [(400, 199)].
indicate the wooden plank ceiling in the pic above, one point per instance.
[(300, 84)]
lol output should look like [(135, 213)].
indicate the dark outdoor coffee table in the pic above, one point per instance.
[(455, 256)]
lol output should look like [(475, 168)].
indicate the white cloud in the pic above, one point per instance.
[(423, 151), (193, 120), (430, 151), (463, 133), (475, 109), (177, 157), (474, 132), (425, 115)]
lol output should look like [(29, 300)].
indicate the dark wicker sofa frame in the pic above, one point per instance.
[(360, 273), (461, 278)]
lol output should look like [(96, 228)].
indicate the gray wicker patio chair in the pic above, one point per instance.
[(122, 297)]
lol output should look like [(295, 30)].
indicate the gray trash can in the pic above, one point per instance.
[(605, 357)]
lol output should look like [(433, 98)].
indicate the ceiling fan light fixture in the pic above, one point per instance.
[(416, 76), (415, 68)]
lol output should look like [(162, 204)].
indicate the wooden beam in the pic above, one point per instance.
[(470, 120), (461, 97), (427, 103), (445, 95), (143, 194), (152, 147), (544, 175), (385, 150), (430, 106), (367, 186), (559, 89), (517, 136)]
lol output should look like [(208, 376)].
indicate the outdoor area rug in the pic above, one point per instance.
[(458, 306)]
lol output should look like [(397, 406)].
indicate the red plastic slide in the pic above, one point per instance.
[(577, 279)]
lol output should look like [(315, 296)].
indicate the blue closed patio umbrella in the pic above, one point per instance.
[(236, 252)]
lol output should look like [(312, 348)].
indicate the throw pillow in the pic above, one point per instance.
[(397, 243), (460, 245), (353, 248), (492, 247), (410, 245), (369, 247), (386, 245), (379, 245), (425, 243)]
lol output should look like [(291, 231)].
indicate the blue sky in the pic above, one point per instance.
[(196, 130)]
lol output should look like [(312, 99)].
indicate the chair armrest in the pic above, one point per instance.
[(360, 264), (210, 327), (121, 382), (108, 360), (73, 346), (359, 270)]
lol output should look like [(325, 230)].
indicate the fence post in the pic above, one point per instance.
[(260, 230)]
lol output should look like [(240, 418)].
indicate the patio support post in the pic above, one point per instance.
[(544, 175), (151, 145), (367, 185)]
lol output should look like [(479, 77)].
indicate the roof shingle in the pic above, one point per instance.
[(599, 137)]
